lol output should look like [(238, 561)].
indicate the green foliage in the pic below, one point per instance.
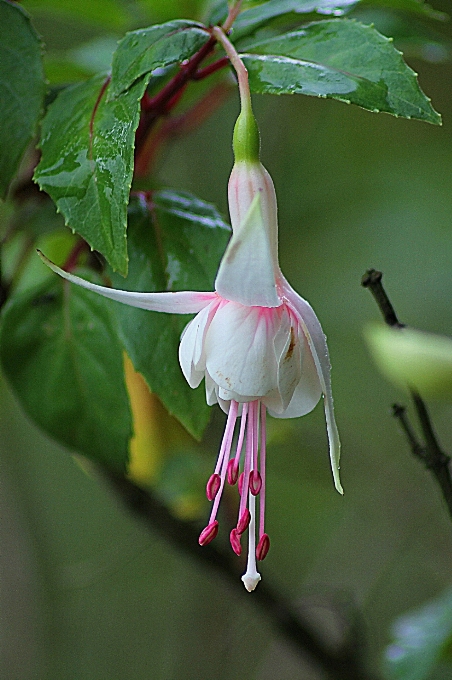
[(143, 51), (340, 59), (250, 20), (420, 639), (263, 14), (21, 88), (60, 351), (175, 242), (87, 162)]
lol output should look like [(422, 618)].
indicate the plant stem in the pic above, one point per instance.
[(237, 63), (232, 16), (160, 105)]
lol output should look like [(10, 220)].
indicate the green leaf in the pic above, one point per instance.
[(176, 242), (415, 38), (251, 19), (59, 350), (420, 639), (339, 59), (143, 51), (262, 14), (87, 162), (22, 88), (409, 357)]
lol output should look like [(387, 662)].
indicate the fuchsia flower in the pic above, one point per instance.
[(258, 345)]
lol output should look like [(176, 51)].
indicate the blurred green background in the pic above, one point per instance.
[(86, 593)]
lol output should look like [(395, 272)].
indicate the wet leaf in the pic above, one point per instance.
[(87, 162), (60, 352), (175, 242), (22, 88), (260, 15), (251, 19), (145, 50), (339, 59)]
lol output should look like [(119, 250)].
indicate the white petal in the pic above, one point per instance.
[(317, 343), (247, 270), (229, 395), (239, 350), (306, 395), (289, 360), (184, 302), (191, 354), (211, 391)]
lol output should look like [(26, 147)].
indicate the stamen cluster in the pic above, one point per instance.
[(250, 481)]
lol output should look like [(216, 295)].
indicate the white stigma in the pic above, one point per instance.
[(251, 577)]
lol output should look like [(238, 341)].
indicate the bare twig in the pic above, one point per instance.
[(372, 281)]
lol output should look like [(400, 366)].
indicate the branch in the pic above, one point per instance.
[(430, 453), (372, 280), (345, 664)]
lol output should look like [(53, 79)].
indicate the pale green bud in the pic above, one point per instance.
[(412, 358)]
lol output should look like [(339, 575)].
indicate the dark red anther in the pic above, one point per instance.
[(255, 482), (263, 547), (234, 537), (213, 486), (233, 471), (244, 521), (208, 534), (241, 483)]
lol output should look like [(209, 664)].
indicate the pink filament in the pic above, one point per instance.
[(223, 456), (249, 451), (251, 482), (263, 455), (233, 467)]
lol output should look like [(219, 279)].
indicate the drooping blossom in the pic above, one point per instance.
[(257, 344)]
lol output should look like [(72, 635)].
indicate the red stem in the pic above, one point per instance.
[(72, 258), (179, 125), (160, 105), (211, 68)]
